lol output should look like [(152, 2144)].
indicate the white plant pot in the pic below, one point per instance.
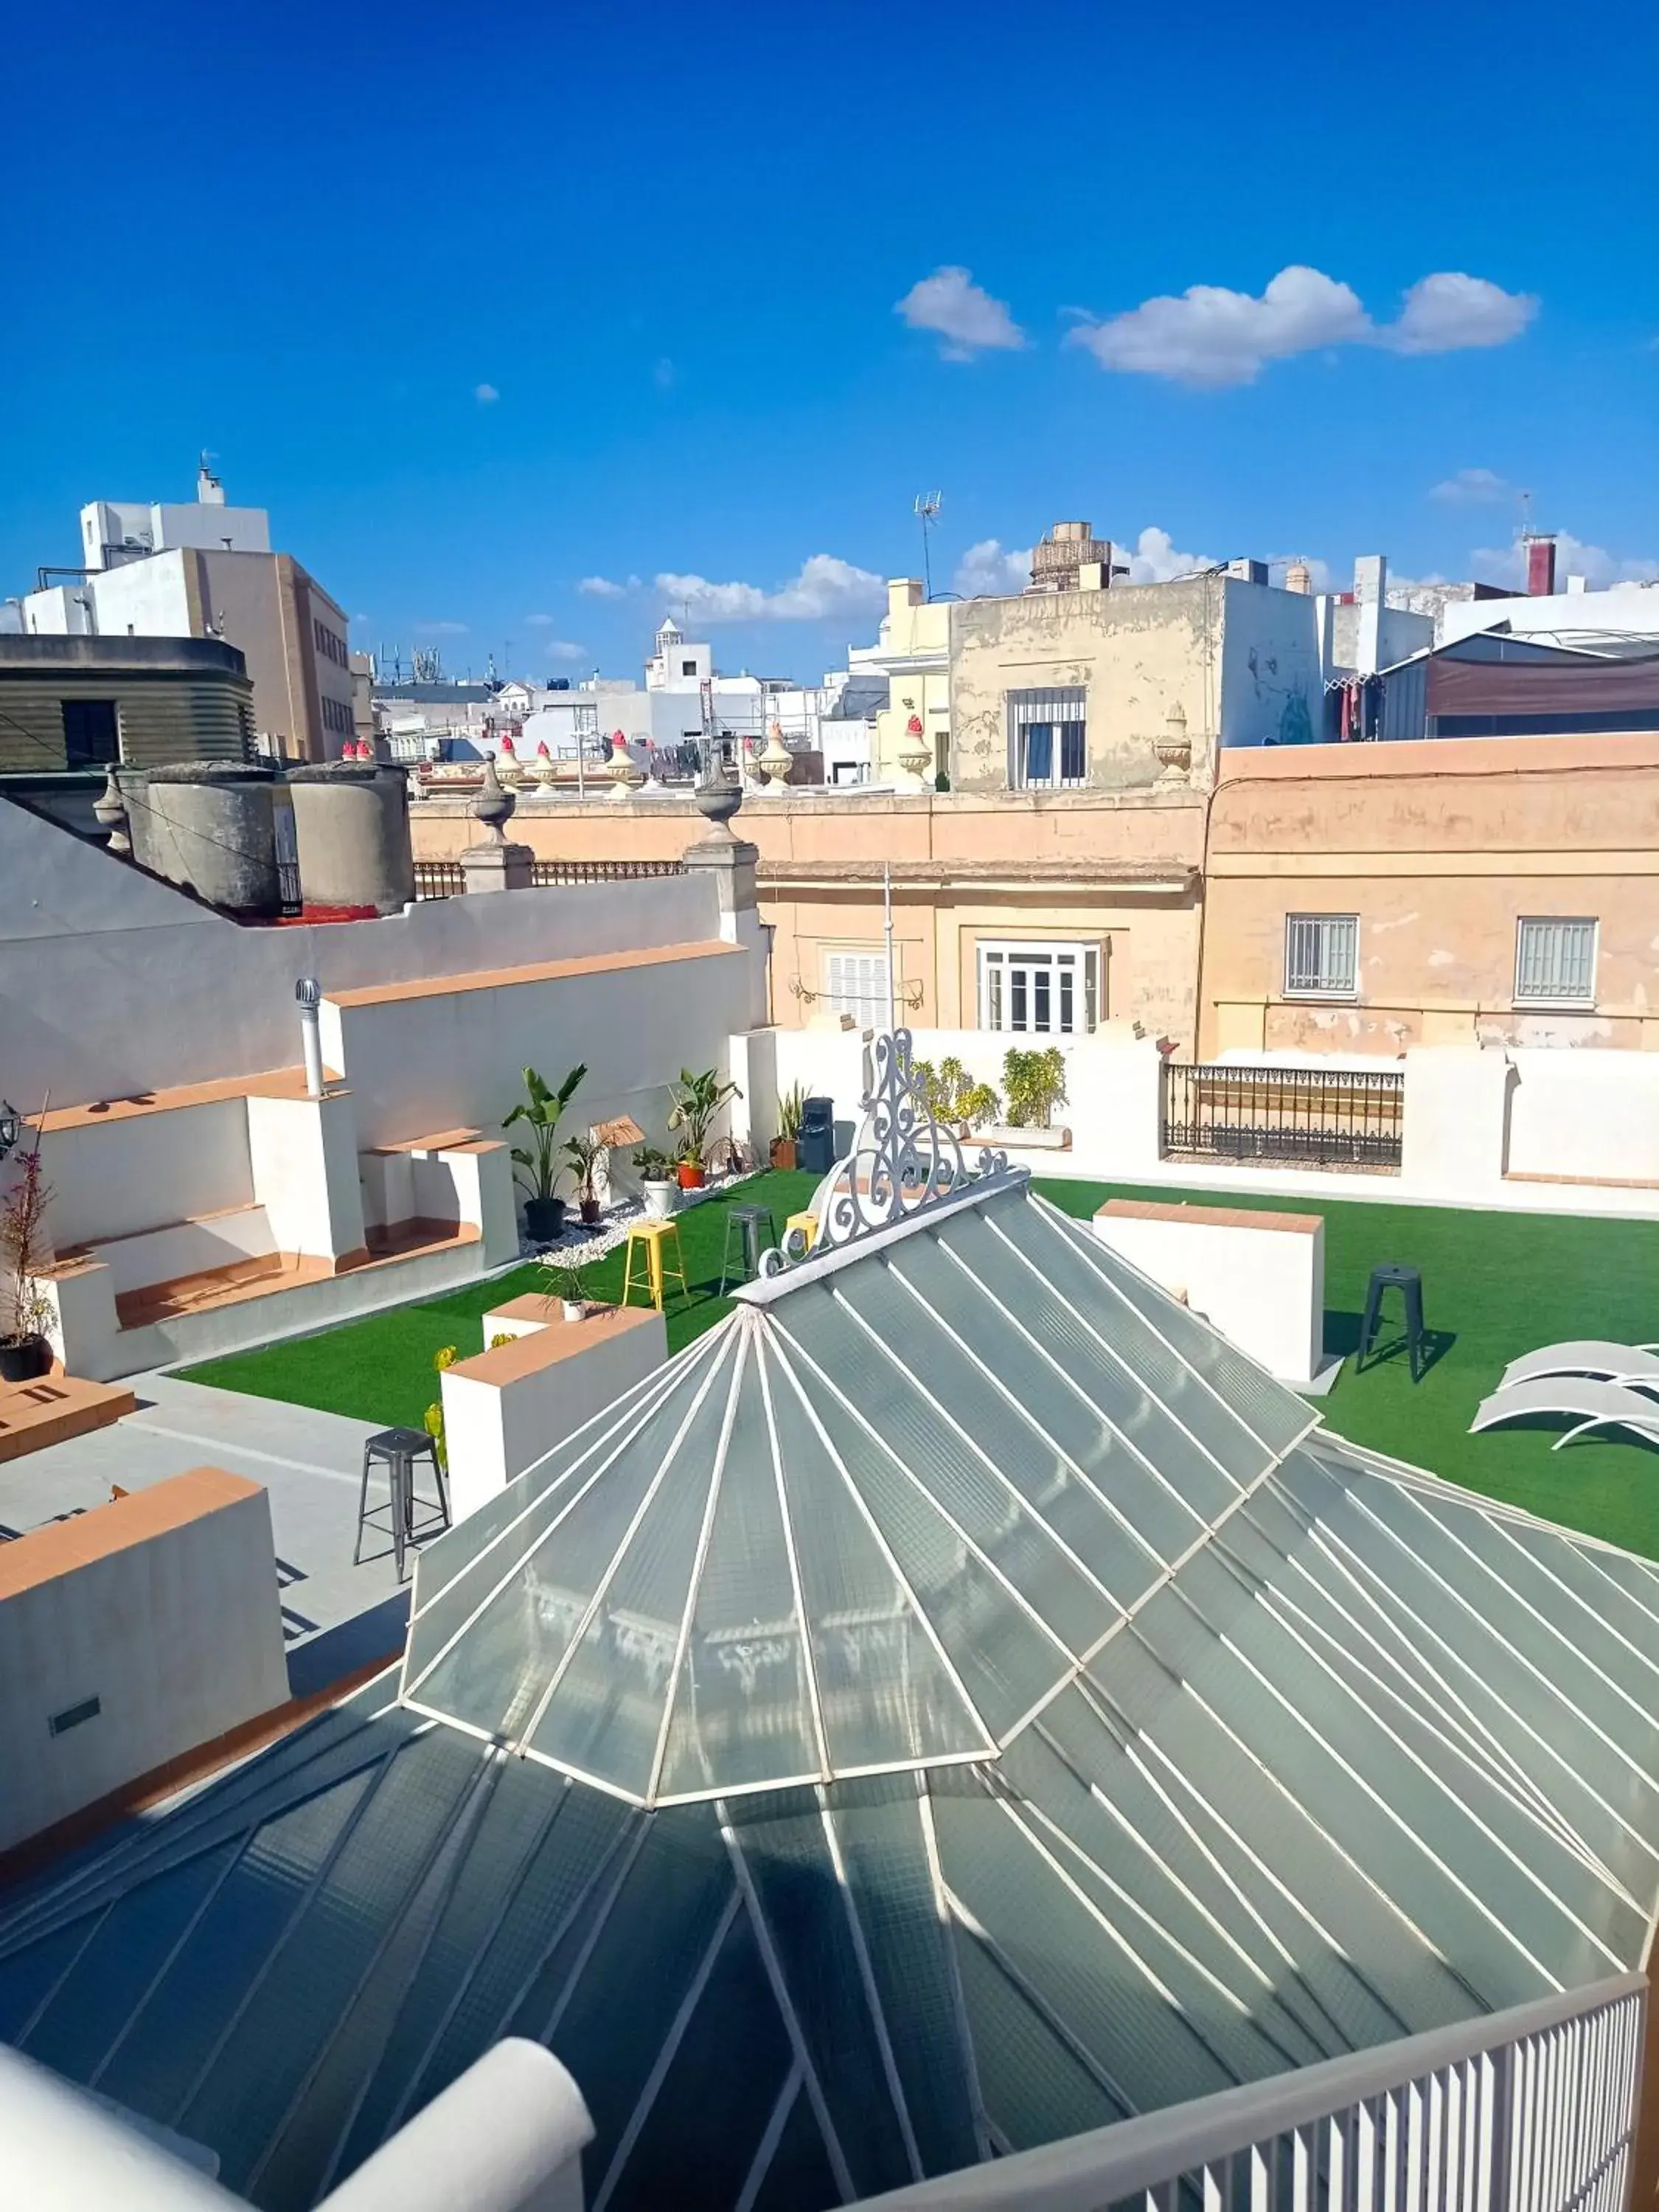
[(574, 1309), (661, 1199), (1008, 1139)]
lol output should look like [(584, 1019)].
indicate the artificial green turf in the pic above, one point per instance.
[(1496, 1285), (380, 1368)]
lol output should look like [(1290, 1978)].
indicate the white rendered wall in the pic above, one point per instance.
[(1272, 691), (1262, 1285), (114, 1178), (143, 598), (1586, 1114), (178, 1637), (495, 1430)]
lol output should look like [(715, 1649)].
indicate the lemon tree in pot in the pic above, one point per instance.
[(697, 1099), (25, 1311), (537, 1158)]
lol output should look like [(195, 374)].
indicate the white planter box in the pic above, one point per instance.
[(1008, 1139)]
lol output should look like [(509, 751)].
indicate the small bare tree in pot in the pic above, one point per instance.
[(584, 1154), (25, 1311)]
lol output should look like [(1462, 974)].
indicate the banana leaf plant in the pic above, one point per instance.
[(539, 1111)]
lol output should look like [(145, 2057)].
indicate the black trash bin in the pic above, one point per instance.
[(815, 1147)]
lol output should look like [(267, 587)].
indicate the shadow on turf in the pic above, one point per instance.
[(1342, 1337)]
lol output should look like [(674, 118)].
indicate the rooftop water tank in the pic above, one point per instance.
[(351, 835), (208, 826)]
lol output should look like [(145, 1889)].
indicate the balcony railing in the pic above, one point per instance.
[(1532, 2109), (447, 879), (1295, 1116)]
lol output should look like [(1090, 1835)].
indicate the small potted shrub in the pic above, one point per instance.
[(538, 1159), (584, 1154), (1035, 1083), (954, 1098), (791, 1104), (25, 1348), (657, 1185), (697, 1099), (565, 1284)]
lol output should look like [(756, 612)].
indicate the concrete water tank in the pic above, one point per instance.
[(208, 826), (351, 833)]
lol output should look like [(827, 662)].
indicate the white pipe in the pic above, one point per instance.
[(507, 2136), (309, 992)]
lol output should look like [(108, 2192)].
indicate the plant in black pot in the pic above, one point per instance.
[(537, 1158), (25, 1311), (585, 1154)]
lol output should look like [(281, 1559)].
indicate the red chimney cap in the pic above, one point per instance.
[(913, 728)]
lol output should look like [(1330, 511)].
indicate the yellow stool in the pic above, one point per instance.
[(808, 1225), (654, 1236)]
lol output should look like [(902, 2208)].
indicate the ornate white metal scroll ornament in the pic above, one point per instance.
[(902, 1159)]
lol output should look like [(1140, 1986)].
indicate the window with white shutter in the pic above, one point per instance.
[(855, 983)]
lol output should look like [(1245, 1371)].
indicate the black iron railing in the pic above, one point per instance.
[(1297, 1116), (438, 879), (547, 872)]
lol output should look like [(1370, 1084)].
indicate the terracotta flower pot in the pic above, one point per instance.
[(690, 1175), (783, 1151)]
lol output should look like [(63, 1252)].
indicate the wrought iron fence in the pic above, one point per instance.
[(545, 872), (1528, 2110), (438, 879), (1299, 1116)]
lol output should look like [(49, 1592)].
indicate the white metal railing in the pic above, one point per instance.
[(1532, 2109)]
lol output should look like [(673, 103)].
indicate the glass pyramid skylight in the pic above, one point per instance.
[(876, 1522)]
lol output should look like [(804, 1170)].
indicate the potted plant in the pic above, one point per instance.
[(564, 1282), (954, 1098), (657, 1185), (1035, 1083), (791, 1104), (584, 1154), (539, 1111), (697, 1099), (25, 1348)]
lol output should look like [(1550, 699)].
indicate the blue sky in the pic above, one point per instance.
[(483, 302)]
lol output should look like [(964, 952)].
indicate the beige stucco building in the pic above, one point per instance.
[(1363, 898)]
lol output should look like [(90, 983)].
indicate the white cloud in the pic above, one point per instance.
[(962, 313), (485, 394), (561, 648), (1507, 564), (824, 588), (1448, 312), (1212, 336), (664, 374), (1473, 488), (601, 587), (541, 622), (986, 571), (1155, 559), (362, 618), (441, 628)]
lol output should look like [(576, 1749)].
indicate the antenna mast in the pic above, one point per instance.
[(928, 505)]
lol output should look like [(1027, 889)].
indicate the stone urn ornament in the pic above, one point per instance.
[(1175, 748), (110, 812), (776, 762), (717, 796), (626, 776), (915, 755), (491, 804), (543, 769)]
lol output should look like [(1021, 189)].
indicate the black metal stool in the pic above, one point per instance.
[(750, 1222), (1408, 1281), (397, 1450)]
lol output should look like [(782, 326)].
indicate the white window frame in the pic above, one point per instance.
[(995, 957), (1326, 986), (1554, 997), (1054, 706), (845, 990)]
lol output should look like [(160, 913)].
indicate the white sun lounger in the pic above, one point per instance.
[(1589, 1404), (1591, 1356)]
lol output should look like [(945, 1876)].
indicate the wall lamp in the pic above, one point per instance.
[(11, 1127)]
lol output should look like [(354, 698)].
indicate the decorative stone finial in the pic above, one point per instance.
[(625, 776), (717, 796), (777, 760), (492, 806), (1174, 749)]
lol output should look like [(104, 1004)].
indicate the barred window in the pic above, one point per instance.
[(1555, 959), (1322, 956), (1047, 739), (855, 983)]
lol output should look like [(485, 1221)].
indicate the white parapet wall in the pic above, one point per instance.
[(506, 1408), (1259, 1277), (131, 1636)]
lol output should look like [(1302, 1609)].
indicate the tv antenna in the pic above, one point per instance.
[(928, 505)]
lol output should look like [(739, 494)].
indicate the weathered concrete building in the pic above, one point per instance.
[(70, 704)]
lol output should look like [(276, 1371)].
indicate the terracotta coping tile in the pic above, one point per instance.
[(546, 1347), (273, 1083), (541, 971), (62, 1545), (1212, 1217)]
